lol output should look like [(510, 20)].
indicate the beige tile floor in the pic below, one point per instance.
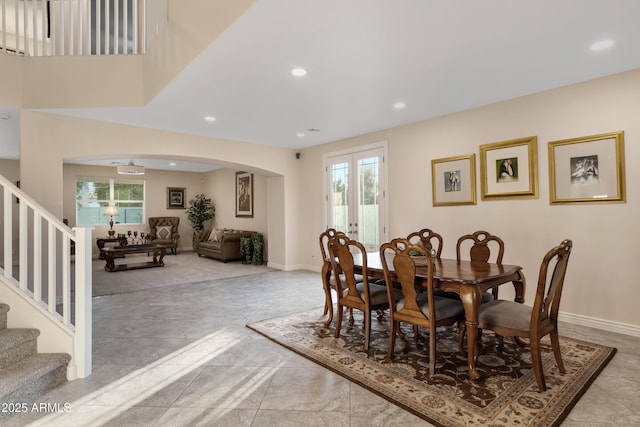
[(181, 355)]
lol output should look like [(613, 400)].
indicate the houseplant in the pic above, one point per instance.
[(201, 209)]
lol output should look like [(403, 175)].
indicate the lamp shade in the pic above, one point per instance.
[(111, 211)]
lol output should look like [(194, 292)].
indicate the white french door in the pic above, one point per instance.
[(356, 196)]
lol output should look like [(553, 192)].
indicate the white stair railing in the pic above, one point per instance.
[(45, 276), (78, 27)]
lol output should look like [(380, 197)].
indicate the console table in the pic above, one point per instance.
[(111, 253)]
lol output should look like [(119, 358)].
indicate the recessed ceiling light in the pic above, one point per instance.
[(399, 105), (210, 118), (299, 72), (172, 164), (300, 134), (602, 44)]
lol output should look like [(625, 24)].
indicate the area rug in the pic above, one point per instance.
[(506, 395)]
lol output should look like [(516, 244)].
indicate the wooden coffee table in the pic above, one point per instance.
[(111, 253)]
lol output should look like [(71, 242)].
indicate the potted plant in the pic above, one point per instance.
[(201, 209)]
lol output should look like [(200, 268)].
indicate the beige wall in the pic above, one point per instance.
[(602, 281), (46, 140), (156, 183), (10, 169)]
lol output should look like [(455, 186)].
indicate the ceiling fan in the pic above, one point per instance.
[(130, 169)]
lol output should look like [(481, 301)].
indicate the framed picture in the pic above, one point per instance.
[(509, 169), (175, 198), (244, 194), (588, 169), (453, 180)]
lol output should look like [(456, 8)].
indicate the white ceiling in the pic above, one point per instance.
[(362, 56)]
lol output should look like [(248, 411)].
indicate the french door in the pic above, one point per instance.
[(356, 195)]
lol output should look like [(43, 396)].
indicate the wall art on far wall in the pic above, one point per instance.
[(244, 194), (509, 169), (588, 169), (175, 198), (453, 180)]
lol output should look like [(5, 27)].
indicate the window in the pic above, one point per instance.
[(93, 195)]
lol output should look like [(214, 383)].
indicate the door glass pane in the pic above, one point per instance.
[(368, 202), (339, 196)]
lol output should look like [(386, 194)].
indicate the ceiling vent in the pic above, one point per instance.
[(131, 169)]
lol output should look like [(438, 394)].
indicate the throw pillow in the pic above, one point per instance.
[(163, 232), (212, 235), (219, 235)]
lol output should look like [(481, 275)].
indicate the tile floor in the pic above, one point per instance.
[(181, 355)]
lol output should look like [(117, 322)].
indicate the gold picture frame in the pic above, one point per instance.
[(588, 169), (509, 169), (453, 180)]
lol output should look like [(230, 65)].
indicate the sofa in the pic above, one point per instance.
[(220, 244)]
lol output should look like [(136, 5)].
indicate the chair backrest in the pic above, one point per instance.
[(480, 249), (341, 249), (399, 252), (324, 238), (162, 221), (550, 283), (428, 238)]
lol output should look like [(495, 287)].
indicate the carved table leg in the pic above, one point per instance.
[(470, 297)]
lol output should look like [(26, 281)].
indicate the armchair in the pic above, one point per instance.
[(163, 230)]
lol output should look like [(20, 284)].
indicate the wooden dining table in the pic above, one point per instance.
[(468, 279)]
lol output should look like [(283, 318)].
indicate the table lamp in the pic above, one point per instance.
[(111, 211)]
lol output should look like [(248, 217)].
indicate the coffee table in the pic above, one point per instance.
[(111, 253)]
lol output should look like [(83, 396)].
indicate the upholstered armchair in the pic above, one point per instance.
[(163, 230)]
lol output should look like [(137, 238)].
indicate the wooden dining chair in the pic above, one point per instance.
[(508, 318), (422, 309), (480, 245), (351, 293), (427, 238), (328, 280)]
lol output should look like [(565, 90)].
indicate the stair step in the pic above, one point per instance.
[(4, 309), (29, 378), (17, 344)]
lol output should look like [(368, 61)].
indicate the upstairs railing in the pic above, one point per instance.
[(45, 276), (79, 27)]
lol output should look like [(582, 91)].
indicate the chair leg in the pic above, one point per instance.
[(555, 344), (395, 326), (432, 351), (339, 321), (462, 329), (415, 333), (367, 329), (351, 319), (536, 360)]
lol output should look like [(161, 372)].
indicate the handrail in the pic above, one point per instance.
[(50, 283)]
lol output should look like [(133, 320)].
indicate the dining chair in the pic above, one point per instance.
[(508, 318), (328, 279), (428, 238), (422, 309), (351, 293), (480, 245)]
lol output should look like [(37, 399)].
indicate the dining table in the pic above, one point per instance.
[(468, 279)]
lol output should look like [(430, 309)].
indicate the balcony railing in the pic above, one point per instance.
[(79, 27)]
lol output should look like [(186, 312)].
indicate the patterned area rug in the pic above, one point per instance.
[(506, 395)]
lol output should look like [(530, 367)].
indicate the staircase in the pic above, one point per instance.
[(25, 374)]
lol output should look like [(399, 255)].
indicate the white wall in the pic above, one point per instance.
[(602, 280)]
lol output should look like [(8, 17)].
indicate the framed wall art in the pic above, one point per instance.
[(244, 194), (175, 198), (453, 180), (589, 169), (509, 169)]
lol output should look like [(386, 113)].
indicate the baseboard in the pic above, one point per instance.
[(602, 324)]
